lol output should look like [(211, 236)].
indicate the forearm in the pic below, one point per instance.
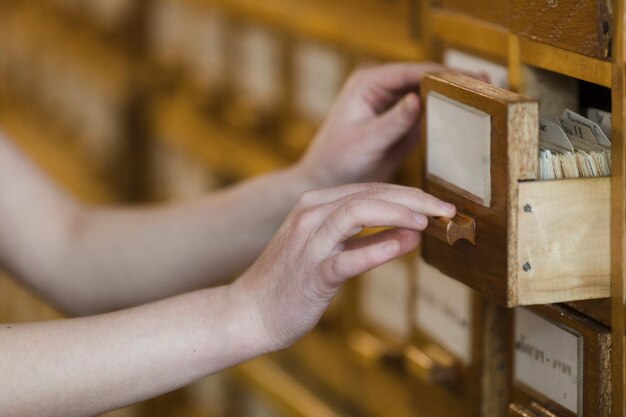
[(88, 260), (86, 366), (120, 257)]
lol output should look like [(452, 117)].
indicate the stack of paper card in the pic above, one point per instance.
[(574, 146)]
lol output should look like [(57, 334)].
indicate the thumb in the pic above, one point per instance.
[(396, 122)]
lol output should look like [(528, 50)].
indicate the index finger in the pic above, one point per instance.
[(398, 77)]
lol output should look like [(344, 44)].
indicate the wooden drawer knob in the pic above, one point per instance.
[(460, 227)]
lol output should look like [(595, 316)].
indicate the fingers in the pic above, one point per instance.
[(350, 218), (385, 235), (368, 253), (395, 124), (329, 195), (414, 199), (325, 202), (397, 76)]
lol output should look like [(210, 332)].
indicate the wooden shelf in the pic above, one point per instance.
[(470, 33), (569, 63), (361, 32), (178, 124), (347, 376), (283, 389)]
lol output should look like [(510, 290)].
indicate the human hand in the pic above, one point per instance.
[(315, 251), (371, 127)]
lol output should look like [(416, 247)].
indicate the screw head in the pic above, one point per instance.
[(526, 267), (528, 208)]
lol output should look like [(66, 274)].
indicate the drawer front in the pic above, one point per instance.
[(319, 72), (480, 141), (561, 363), (258, 65), (459, 338), (584, 27), (384, 297), (444, 312)]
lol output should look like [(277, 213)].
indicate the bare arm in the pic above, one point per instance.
[(86, 366), (88, 260)]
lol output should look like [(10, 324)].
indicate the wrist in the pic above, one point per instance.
[(302, 177), (311, 177), (250, 328)]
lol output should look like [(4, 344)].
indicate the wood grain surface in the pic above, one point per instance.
[(562, 236), (584, 27)]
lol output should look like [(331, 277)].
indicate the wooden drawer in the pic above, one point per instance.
[(459, 338), (535, 241), (318, 70), (257, 67), (381, 323), (582, 27), (561, 364)]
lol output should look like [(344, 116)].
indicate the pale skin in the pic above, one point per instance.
[(152, 283)]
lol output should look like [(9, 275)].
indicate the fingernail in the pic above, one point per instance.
[(450, 208), (411, 103), (420, 219)]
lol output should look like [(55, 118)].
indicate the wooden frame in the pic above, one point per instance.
[(618, 216)]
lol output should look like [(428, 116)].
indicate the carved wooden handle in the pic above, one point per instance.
[(450, 230)]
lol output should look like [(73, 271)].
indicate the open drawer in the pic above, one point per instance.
[(527, 241)]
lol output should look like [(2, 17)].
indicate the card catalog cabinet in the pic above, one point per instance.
[(561, 364), (513, 239)]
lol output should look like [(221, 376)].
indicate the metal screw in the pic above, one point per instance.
[(526, 267), (528, 208)]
